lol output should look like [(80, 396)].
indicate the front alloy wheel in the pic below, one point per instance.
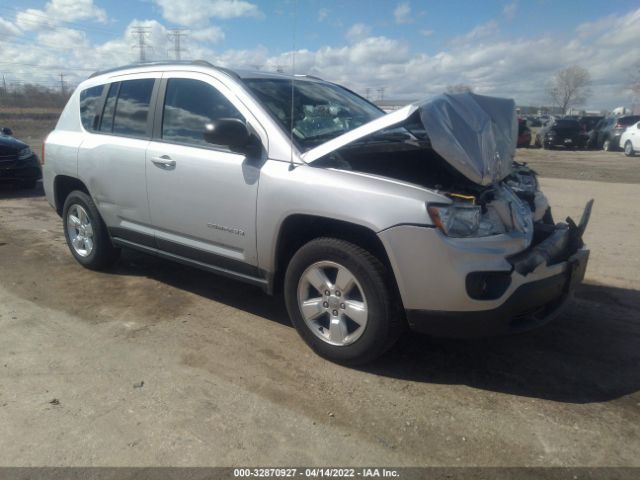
[(342, 301), (332, 303)]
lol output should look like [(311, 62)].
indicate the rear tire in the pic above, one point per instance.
[(606, 145), (358, 337), (86, 233), (628, 149)]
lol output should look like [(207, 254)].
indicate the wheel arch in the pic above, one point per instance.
[(63, 185), (298, 229)]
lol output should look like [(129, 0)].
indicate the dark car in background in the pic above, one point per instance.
[(524, 134), (558, 132), (588, 123), (590, 131), (609, 133), (18, 163)]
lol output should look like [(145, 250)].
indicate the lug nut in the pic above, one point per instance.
[(325, 304), (337, 293), (327, 293), (342, 306), (335, 313)]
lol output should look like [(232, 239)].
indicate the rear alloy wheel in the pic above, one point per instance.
[(628, 149), (86, 233), (340, 300)]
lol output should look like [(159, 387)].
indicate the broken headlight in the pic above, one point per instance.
[(464, 220)]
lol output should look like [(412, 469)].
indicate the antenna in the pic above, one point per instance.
[(293, 78)]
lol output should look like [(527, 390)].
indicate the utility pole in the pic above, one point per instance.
[(175, 35), (4, 85), (381, 94), (62, 75), (141, 33), (367, 94)]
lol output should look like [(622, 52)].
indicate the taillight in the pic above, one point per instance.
[(43, 144), (619, 125)]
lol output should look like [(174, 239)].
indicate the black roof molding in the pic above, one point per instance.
[(200, 63)]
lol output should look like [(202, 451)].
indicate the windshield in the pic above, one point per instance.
[(321, 111)]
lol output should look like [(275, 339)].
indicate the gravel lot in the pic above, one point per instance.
[(158, 364)]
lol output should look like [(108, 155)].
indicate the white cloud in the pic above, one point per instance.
[(402, 13), (198, 12), (7, 28), (57, 11), (480, 31), (493, 64), (64, 39), (510, 10), (425, 32), (357, 32), (323, 13), (211, 34)]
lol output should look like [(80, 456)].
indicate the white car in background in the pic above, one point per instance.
[(630, 140)]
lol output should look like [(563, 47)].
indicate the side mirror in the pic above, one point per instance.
[(7, 131), (229, 132)]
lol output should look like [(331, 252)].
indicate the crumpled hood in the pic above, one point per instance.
[(475, 134)]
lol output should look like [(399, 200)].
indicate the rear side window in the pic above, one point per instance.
[(188, 106), (106, 125), (132, 107), (89, 105)]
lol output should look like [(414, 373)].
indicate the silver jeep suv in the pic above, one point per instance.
[(368, 223)]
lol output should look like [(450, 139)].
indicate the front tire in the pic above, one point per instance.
[(341, 301), (628, 149), (86, 233)]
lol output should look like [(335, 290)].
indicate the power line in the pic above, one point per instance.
[(141, 33), (175, 35)]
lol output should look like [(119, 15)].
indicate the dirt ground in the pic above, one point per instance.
[(154, 363)]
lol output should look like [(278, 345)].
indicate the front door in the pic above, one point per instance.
[(202, 197)]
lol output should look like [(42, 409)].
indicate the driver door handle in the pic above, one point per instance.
[(164, 161)]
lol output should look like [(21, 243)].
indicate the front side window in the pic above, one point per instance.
[(188, 106), (321, 111), (132, 107), (89, 104)]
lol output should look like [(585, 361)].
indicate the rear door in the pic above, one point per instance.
[(111, 159), (202, 197)]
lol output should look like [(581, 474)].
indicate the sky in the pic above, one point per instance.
[(403, 50)]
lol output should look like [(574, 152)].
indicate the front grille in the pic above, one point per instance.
[(8, 160)]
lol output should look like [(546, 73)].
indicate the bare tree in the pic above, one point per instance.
[(569, 87), (459, 88)]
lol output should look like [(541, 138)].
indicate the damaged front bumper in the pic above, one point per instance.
[(486, 286)]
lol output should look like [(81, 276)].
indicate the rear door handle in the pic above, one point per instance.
[(164, 161)]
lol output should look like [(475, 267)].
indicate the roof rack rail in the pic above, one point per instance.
[(202, 63)]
